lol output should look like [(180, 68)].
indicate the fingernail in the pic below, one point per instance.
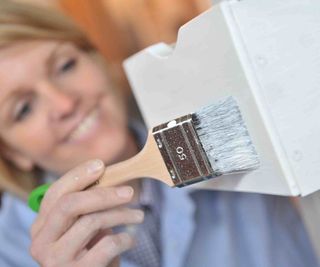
[(125, 191), (126, 238), (94, 166), (139, 215)]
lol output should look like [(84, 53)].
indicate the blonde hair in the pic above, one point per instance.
[(24, 22)]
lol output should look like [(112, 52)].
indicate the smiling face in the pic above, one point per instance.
[(57, 108)]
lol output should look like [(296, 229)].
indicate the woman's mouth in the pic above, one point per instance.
[(85, 127)]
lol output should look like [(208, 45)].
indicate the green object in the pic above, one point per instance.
[(36, 196)]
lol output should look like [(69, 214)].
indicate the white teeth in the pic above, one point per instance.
[(85, 125)]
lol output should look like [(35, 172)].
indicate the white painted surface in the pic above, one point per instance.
[(265, 53)]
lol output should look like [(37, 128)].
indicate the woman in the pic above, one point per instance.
[(57, 111)]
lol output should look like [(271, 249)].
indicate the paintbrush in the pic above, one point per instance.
[(208, 143)]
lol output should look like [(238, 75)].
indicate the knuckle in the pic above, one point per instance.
[(37, 251), (34, 250), (88, 221), (101, 193), (115, 242), (66, 205), (107, 195), (52, 257), (119, 242)]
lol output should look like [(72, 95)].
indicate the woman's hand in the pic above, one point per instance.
[(73, 226)]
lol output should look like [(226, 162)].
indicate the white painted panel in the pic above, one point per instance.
[(282, 39), (203, 67)]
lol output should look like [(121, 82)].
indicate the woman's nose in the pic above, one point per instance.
[(61, 103)]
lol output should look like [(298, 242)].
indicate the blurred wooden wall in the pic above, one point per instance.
[(119, 28)]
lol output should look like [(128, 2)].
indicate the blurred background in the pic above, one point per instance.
[(120, 28)]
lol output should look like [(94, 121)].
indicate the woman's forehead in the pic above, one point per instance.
[(15, 56), (23, 48), (20, 60), (19, 64)]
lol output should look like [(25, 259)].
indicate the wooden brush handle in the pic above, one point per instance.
[(147, 163)]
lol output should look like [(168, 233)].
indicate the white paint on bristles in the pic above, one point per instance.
[(225, 138)]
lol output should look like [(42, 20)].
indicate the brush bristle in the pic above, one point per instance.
[(225, 138)]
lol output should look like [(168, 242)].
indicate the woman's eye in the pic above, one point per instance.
[(23, 111), (68, 65)]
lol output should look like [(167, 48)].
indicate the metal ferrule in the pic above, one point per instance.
[(182, 151)]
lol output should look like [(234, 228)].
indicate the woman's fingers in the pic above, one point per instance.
[(89, 225), (75, 180), (69, 207), (109, 247), (102, 253), (74, 225)]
